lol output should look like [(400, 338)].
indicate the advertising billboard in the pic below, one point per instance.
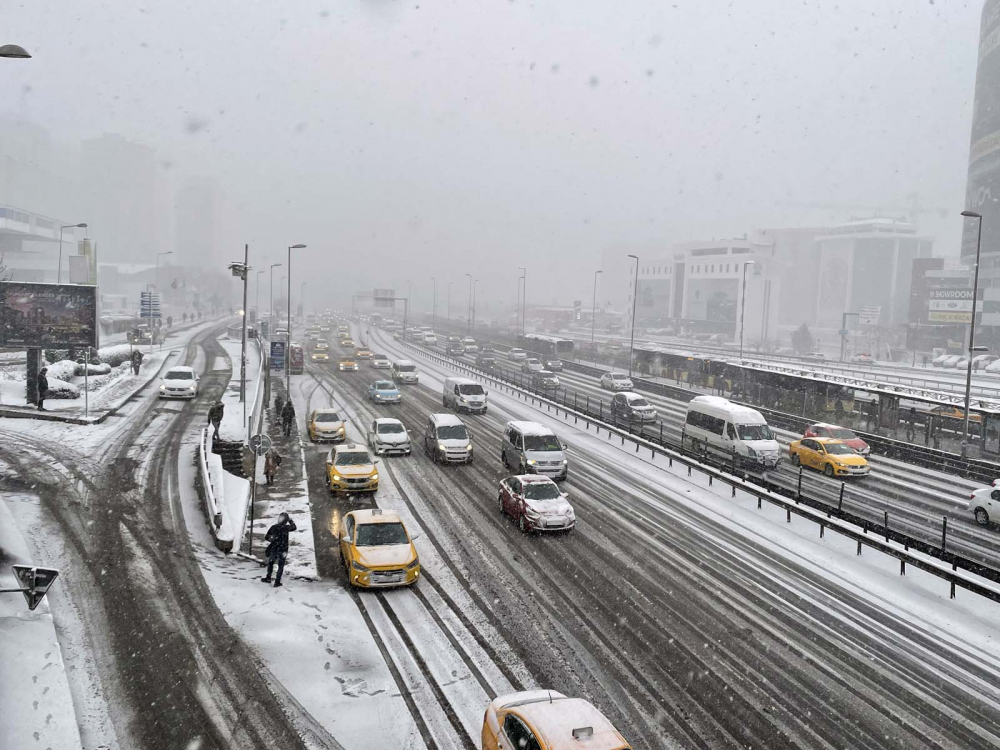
[(277, 355), (51, 316), (950, 306)]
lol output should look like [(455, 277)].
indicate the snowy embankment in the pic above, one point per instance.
[(35, 694), (234, 419)]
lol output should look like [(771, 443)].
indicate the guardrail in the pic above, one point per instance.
[(959, 571), (257, 410), (212, 507)]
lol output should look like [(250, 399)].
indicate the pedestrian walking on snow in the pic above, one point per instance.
[(288, 417), (136, 361), (43, 387), (272, 461), (277, 550), (278, 403), (215, 416)]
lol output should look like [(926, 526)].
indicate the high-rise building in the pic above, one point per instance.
[(196, 212)]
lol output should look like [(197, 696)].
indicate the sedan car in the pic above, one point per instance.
[(376, 549), (823, 430), (516, 355), (616, 381), (388, 437), (547, 720), (351, 468), (536, 503), (545, 380), (363, 352), (379, 362), (347, 343), (632, 407), (319, 355), (834, 458), (326, 424), (531, 364), (179, 382), (985, 503), (347, 363), (555, 365), (384, 392)]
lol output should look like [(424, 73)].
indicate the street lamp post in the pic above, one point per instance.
[(524, 294), (449, 302), (288, 344), (743, 302), (468, 309), (81, 225), (593, 317), (434, 302), (972, 331), (256, 304), (635, 295), (270, 307), (475, 282)]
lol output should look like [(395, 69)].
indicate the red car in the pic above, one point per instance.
[(821, 429), (536, 503)]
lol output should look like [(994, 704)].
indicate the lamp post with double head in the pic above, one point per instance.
[(593, 316), (635, 295), (288, 344), (972, 331), (81, 225)]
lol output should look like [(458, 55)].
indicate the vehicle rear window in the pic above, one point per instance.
[(842, 434), (378, 534), (838, 449), (638, 402), (385, 385)]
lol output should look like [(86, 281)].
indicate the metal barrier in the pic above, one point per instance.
[(943, 564), (211, 503)]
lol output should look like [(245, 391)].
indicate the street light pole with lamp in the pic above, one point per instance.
[(81, 225), (288, 345), (270, 306), (743, 302), (635, 296), (475, 283), (593, 316), (972, 331), (524, 294)]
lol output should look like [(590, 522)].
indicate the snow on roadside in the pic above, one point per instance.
[(234, 423), (38, 708)]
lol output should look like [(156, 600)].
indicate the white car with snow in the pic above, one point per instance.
[(388, 436), (985, 504), (616, 381), (179, 382)]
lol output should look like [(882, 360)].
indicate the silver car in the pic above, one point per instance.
[(532, 448), (388, 437)]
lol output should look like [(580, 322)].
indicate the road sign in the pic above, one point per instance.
[(37, 581), (149, 305), (384, 297), (869, 315), (844, 332), (260, 444), (277, 355), (955, 305), (946, 316)]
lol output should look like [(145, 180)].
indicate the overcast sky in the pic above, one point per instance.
[(403, 140)]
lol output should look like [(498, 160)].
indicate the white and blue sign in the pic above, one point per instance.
[(149, 305), (277, 355)]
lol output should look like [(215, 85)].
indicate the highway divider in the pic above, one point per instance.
[(958, 571)]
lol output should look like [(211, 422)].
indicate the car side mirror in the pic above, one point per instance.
[(415, 537), (378, 460)]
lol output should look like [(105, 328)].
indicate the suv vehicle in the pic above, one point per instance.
[(351, 468), (532, 448), (544, 380), (616, 381), (536, 503), (447, 440), (486, 359), (632, 407), (405, 372)]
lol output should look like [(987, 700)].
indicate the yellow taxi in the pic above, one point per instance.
[(376, 550), (351, 468), (547, 720), (835, 458), (319, 355), (326, 424), (363, 352), (347, 343), (343, 334), (347, 362), (948, 411)]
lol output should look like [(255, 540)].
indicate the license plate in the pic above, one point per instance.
[(388, 578)]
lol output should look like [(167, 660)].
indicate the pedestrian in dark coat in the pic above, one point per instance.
[(136, 361), (277, 550), (279, 402), (272, 460), (288, 417), (215, 416), (43, 387)]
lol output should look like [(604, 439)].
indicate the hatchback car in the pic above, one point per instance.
[(823, 430), (536, 503), (326, 424), (516, 355), (363, 352), (347, 363), (530, 365), (547, 720), (632, 407), (376, 549), (379, 362), (834, 458), (384, 392), (616, 381), (985, 503), (179, 382), (351, 468), (555, 365), (388, 437)]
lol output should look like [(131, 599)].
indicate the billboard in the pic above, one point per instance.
[(52, 316), (277, 355), (384, 297), (950, 305)]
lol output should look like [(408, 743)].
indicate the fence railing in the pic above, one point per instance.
[(212, 507), (959, 571)]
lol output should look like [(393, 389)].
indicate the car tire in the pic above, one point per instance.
[(982, 517), (828, 470), (796, 460), (522, 525)]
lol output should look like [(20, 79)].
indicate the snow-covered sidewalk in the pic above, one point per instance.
[(234, 419), (38, 710)]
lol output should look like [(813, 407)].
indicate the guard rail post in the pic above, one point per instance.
[(944, 531)]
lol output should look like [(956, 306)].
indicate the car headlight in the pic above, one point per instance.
[(360, 568), (531, 513), (374, 476), (565, 461), (570, 513), (462, 399), (414, 564), (336, 477), (532, 462), (163, 387), (469, 447), (340, 429)]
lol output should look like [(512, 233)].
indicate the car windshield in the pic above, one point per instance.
[(406, 368), (452, 432), (385, 385), (390, 428), (378, 356), (470, 389), (180, 375), (353, 458), (541, 491), (381, 534), (618, 376), (328, 417), (542, 443), (638, 403), (841, 433), (755, 432), (838, 449)]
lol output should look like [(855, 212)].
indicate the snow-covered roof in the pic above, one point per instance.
[(530, 428), (376, 515), (444, 420), (388, 420)]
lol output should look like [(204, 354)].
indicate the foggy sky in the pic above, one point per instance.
[(402, 140)]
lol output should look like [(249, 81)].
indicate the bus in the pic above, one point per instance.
[(549, 346)]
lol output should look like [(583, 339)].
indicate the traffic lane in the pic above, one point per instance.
[(450, 482)]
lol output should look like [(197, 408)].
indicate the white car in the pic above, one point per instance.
[(531, 365), (516, 355), (179, 382), (470, 345), (616, 381), (985, 504), (388, 436), (379, 362)]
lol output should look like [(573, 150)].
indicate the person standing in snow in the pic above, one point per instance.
[(278, 403), (288, 417), (272, 460), (136, 361), (43, 387), (277, 550), (215, 416)]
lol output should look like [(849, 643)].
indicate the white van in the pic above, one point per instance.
[(717, 426), (464, 394), (404, 371)]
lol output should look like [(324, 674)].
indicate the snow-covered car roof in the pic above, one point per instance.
[(178, 368), (442, 420), (631, 396), (533, 479), (403, 362), (327, 411), (376, 515), (530, 428), (388, 420)]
